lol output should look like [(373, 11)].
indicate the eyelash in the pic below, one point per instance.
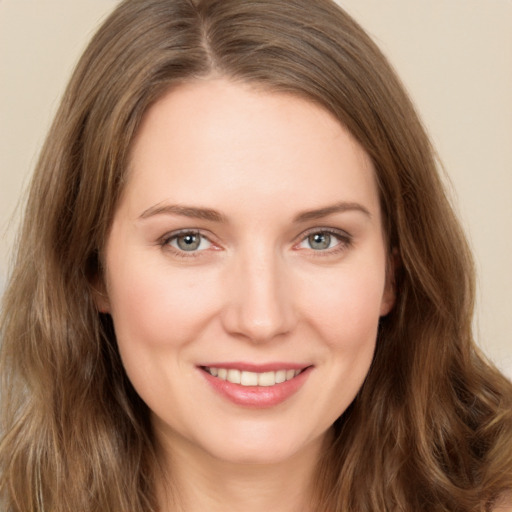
[(344, 242), (165, 242)]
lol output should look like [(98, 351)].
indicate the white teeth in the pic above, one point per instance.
[(280, 376), (249, 379), (234, 376), (267, 379), (252, 378)]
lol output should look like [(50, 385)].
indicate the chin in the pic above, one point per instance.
[(264, 447)]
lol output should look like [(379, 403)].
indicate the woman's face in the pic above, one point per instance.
[(246, 271)]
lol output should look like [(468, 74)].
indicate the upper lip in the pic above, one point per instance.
[(256, 368)]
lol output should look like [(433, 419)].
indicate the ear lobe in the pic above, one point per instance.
[(389, 294), (100, 295)]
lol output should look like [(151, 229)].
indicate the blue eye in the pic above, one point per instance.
[(324, 240), (189, 241), (320, 241)]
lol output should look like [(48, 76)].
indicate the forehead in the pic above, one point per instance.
[(215, 141)]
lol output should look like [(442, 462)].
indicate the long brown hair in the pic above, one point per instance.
[(431, 428)]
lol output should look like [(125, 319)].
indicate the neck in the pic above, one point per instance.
[(197, 481)]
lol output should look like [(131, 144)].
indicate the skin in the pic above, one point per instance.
[(258, 288)]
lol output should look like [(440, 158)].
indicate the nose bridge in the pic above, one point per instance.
[(260, 305)]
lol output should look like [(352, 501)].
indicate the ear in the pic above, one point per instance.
[(389, 294), (100, 295)]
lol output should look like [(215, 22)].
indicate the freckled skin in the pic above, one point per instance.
[(255, 290)]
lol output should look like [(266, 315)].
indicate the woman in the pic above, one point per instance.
[(181, 334)]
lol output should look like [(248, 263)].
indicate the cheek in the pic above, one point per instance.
[(157, 315), (346, 317), (347, 308), (154, 308)]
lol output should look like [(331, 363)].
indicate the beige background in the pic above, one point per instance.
[(455, 57)]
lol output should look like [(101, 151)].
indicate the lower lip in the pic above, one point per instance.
[(257, 396)]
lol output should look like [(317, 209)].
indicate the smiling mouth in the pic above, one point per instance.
[(246, 378)]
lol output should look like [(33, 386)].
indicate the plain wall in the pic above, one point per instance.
[(454, 56)]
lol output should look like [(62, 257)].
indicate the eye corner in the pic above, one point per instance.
[(328, 241), (189, 242)]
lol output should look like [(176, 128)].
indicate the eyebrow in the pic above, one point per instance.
[(184, 211), (215, 216), (330, 210)]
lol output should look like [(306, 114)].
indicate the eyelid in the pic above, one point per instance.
[(345, 239), (165, 242)]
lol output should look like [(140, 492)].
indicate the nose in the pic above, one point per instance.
[(259, 305)]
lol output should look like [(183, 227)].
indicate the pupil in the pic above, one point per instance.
[(189, 242), (320, 241)]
